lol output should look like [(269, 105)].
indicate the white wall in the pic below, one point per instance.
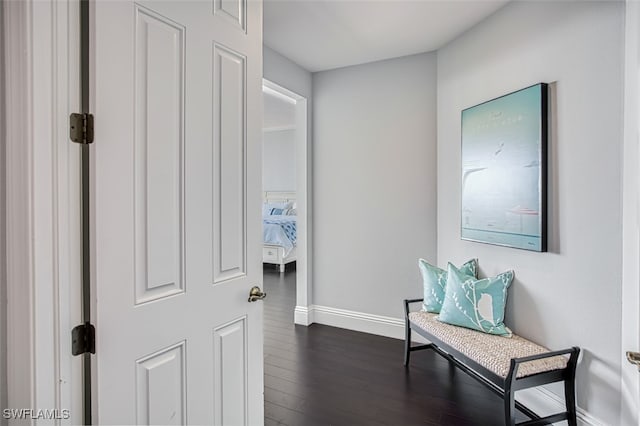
[(572, 294), (279, 160), (374, 182)]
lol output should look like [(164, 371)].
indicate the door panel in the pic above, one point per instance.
[(229, 111), (177, 101), (232, 10), (230, 367), (161, 379), (159, 156)]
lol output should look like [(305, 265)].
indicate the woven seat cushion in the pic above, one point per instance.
[(490, 351)]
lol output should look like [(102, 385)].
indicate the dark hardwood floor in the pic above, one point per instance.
[(320, 375)]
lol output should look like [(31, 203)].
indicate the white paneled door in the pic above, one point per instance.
[(177, 233)]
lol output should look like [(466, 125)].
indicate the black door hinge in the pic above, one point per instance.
[(81, 128), (83, 339)]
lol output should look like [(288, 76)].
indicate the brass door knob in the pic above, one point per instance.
[(634, 358), (256, 294)]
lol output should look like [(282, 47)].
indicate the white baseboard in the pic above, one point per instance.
[(543, 402), (358, 321), (301, 316), (540, 400)]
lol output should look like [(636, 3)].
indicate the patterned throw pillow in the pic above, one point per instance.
[(267, 208), (476, 304), (435, 281), (283, 212)]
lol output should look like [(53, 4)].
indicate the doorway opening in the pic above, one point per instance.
[(286, 195)]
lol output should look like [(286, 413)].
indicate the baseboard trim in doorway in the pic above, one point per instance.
[(301, 316)]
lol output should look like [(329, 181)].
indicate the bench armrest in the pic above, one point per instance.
[(406, 305), (544, 355), (569, 372)]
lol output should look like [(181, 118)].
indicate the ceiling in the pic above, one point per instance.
[(325, 34)]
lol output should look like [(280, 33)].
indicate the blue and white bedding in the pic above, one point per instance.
[(280, 230)]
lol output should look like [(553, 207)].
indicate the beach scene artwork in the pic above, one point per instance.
[(504, 170)]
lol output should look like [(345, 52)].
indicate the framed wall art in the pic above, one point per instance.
[(504, 170)]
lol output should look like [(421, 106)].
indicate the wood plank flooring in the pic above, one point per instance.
[(320, 375)]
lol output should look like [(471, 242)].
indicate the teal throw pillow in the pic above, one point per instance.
[(476, 304), (435, 281)]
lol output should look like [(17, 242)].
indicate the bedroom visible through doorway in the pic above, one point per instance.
[(285, 195)]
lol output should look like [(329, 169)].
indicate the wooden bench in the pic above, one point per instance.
[(504, 365)]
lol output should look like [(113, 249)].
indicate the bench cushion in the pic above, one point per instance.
[(492, 352)]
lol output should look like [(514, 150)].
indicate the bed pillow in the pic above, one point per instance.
[(268, 208), (435, 281), (476, 304)]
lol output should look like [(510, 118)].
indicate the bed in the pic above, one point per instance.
[(279, 224)]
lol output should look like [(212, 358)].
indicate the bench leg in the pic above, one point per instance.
[(407, 344), (570, 388), (509, 409), (570, 401)]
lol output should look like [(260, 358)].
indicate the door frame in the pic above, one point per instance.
[(630, 378), (42, 199), (304, 202)]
